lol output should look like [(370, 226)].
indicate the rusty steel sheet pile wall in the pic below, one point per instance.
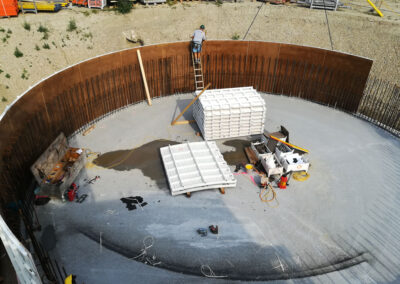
[(74, 97)]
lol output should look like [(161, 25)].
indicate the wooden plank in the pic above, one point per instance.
[(251, 155), (144, 78), (192, 102), (184, 122)]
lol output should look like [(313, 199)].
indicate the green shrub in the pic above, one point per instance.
[(18, 53), (124, 6), (71, 25), (27, 26), (24, 74), (86, 13), (1, 71), (42, 29), (8, 76), (94, 11), (37, 47), (235, 36), (87, 35), (218, 3), (9, 31), (2, 30), (3, 99), (46, 46)]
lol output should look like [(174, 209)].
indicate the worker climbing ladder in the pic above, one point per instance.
[(198, 74)]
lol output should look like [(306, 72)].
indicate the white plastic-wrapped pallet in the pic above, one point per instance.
[(232, 112), (195, 166)]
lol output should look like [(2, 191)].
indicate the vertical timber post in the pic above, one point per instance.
[(144, 78)]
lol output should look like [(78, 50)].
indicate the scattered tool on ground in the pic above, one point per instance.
[(238, 168), (91, 181), (214, 229), (202, 232), (81, 198), (132, 200), (283, 181), (72, 192)]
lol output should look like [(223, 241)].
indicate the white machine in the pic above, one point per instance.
[(269, 160), (278, 158)]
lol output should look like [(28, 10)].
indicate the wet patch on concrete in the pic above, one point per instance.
[(146, 158), (237, 156)]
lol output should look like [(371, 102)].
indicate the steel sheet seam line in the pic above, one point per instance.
[(254, 20)]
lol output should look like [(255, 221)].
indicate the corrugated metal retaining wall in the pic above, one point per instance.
[(70, 99)]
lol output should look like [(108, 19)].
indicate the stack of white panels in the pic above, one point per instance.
[(233, 112), (195, 166)]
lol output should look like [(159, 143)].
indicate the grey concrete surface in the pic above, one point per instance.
[(342, 225)]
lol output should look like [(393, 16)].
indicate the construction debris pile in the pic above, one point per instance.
[(57, 167), (227, 113)]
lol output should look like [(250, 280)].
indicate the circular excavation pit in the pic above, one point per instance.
[(321, 228), (338, 225)]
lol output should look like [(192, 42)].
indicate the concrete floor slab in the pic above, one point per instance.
[(341, 225)]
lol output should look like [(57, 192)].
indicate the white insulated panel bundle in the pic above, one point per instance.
[(227, 113), (195, 166)]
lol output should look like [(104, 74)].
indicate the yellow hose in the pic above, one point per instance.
[(301, 176)]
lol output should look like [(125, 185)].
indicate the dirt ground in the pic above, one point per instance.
[(354, 30)]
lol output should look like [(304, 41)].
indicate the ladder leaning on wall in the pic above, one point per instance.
[(198, 74)]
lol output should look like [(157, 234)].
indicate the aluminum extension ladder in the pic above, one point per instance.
[(198, 74)]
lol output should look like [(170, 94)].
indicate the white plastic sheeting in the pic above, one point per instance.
[(195, 166), (20, 257), (227, 113)]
